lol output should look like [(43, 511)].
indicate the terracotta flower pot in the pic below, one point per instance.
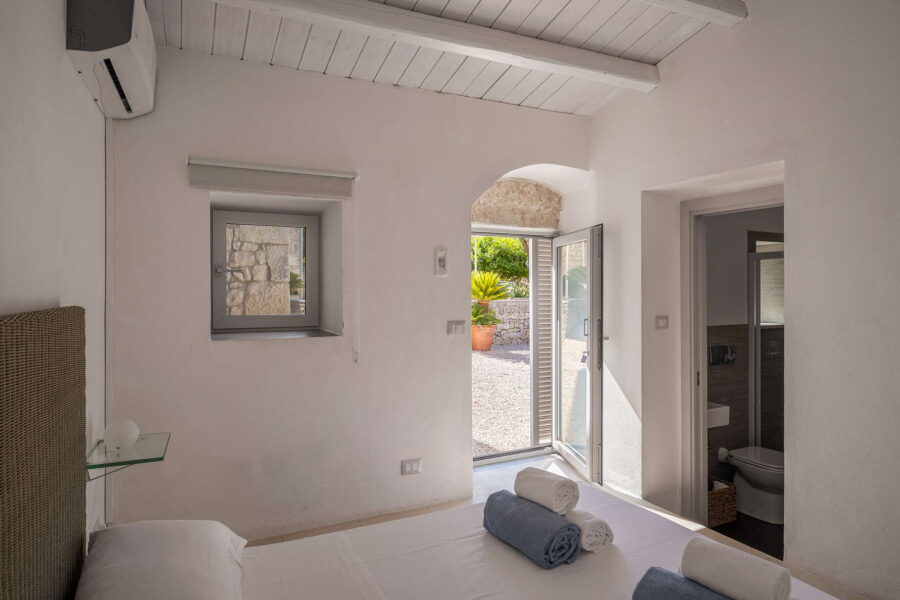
[(483, 337)]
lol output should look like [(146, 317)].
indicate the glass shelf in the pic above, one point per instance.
[(150, 447)]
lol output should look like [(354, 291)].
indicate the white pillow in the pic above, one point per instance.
[(163, 560)]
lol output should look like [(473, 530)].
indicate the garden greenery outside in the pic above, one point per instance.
[(501, 374), (505, 256)]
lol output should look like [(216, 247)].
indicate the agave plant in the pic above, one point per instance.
[(486, 286), (482, 315), (516, 289)]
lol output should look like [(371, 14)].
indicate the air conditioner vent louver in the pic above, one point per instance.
[(118, 84), (111, 46)]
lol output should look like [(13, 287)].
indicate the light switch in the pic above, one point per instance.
[(456, 327), (662, 321), (440, 262)]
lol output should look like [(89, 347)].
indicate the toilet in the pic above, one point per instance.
[(759, 481)]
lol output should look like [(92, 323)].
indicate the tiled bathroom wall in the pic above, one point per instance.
[(728, 384), (772, 387)]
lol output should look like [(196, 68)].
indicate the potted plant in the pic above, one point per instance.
[(486, 286), (484, 324)]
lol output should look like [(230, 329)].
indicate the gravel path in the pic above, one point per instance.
[(501, 399)]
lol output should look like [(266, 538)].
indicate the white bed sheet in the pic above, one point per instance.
[(448, 555)]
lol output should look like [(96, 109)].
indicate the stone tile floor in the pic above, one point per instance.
[(501, 400)]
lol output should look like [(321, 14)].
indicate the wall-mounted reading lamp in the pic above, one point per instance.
[(124, 445)]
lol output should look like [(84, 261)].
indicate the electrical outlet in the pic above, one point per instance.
[(410, 466), (456, 327)]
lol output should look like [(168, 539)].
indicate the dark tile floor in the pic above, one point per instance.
[(763, 536)]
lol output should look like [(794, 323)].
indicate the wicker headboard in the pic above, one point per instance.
[(42, 453)]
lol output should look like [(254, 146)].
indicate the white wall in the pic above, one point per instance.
[(814, 83), (726, 261), (272, 436), (576, 187), (52, 188)]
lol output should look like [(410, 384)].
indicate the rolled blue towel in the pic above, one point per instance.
[(659, 584), (543, 536)]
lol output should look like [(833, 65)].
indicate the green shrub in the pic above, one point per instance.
[(506, 256), (487, 287), (482, 315), (296, 283)]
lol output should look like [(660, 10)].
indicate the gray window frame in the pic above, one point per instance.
[(221, 322)]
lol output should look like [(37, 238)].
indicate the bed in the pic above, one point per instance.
[(437, 556), (448, 555)]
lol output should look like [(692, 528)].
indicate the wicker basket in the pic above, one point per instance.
[(722, 507)]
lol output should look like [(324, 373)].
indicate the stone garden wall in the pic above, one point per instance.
[(516, 325), (266, 257)]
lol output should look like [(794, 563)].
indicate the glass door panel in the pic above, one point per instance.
[(573, 347), (766, 300), (577, 349)]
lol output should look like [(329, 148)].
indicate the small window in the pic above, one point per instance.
[(265, 271), (763, 241)]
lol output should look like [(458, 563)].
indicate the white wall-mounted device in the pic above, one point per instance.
[(440, 262), (110, 42)]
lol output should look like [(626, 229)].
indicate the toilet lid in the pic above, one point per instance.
[(757, 455)]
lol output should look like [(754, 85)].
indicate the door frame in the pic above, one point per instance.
[(694, 467), (531, 234), (591, 468), (754, 339)]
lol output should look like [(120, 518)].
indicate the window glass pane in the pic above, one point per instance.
[(771, 291), (763, 246), (266, 270)]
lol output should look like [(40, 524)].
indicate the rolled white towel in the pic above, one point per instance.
[(596, 533), (556, 493), (734, 573)]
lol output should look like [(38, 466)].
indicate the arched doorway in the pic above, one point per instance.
[(513, 223), (532, 384)]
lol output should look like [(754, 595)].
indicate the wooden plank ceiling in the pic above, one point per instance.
[(629, 29)]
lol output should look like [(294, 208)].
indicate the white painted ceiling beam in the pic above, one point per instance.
[(389, 22), (721, 12)]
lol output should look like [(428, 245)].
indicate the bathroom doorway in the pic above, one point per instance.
[(741, 376)]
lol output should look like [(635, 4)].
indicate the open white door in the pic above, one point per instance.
[(578, 350)]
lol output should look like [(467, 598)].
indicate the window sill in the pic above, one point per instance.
[(271, 335)]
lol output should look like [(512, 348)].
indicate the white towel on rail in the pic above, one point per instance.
[(734, 573), (596, 533), (554, 492)]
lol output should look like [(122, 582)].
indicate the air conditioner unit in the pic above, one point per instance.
[(111, 45)]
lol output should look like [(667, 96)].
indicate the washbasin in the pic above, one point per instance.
[(716, 415)]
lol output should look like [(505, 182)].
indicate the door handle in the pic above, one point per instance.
[(219, 270), (587, 328)]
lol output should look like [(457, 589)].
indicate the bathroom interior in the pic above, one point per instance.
[(745, 376)]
